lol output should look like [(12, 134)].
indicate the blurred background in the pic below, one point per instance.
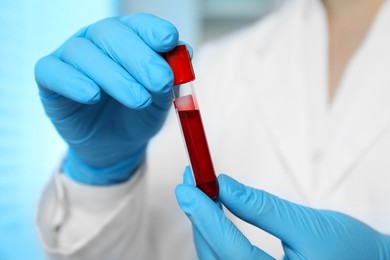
[(30, 149)]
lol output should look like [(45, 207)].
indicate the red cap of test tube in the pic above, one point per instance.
[(180, 62)]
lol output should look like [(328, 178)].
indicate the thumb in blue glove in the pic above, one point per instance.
[(305, 233)]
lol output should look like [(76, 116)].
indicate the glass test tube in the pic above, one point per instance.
[(187, 108)]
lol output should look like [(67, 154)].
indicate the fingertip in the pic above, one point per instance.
[(186, 198), (167, 35), (161, 80), (134, 97), (159, 34), (142, 103), (40, 67), (222, 177), (226, 181), (230, 190), (187, 176), (163, 35), (179, 191), (55, 77), (83, 90), (95, 98)]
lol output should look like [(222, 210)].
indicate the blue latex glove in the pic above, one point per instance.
[(107, 92), (305, 233)]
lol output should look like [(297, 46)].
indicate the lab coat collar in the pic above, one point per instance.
[(361, 109), (360, 112)]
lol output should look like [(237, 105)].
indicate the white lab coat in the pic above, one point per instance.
[(263, 97)]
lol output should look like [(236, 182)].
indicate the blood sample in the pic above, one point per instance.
[(187, 108)]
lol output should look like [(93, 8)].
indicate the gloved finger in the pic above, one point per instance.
[(79, 33), (85, 57), (123, 45), (188, 177), (225, 240), (49, 75), (203, 249), (157, 33), (281, 218)]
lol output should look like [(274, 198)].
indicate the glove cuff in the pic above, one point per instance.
[(119, 172)]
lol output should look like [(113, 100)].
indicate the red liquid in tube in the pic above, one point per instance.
[(191, 122), (197, 148)]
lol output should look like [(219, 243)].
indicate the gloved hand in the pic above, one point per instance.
[(305, 233), (107, 92)]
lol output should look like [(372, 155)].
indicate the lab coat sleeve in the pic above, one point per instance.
[(76, 221)]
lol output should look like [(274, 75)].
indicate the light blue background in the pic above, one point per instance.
[(30, 149)]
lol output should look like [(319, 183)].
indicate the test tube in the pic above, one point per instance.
[(187, 109)]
